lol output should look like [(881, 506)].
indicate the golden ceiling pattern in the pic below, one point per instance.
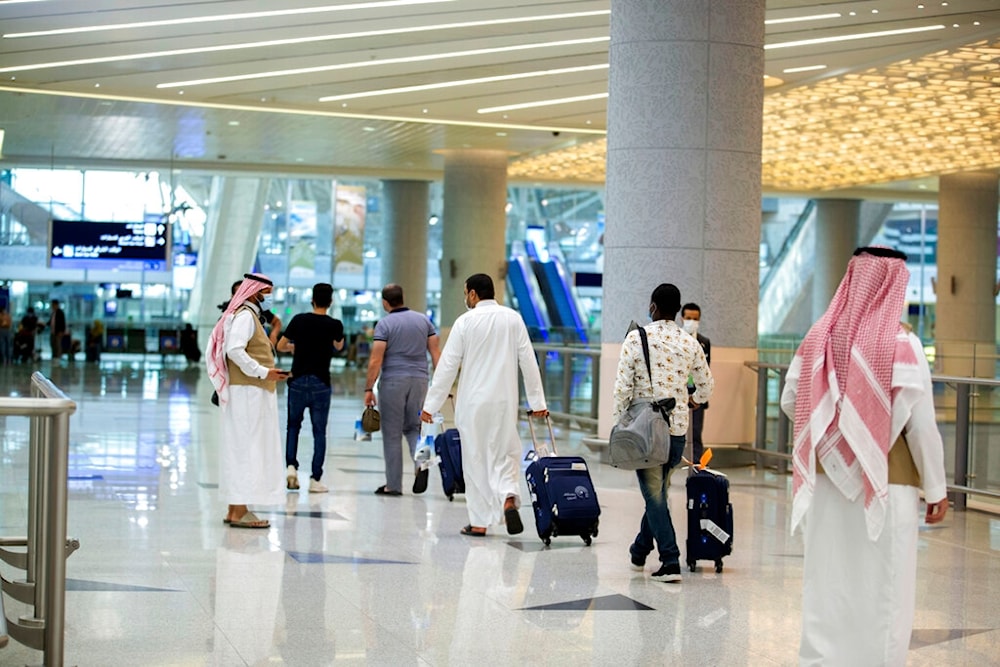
[(932, 115)]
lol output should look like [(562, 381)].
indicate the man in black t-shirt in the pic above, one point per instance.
[(312, 339)]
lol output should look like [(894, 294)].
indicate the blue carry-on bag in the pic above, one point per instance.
[(562, 493), (448, 447), (710, 517)]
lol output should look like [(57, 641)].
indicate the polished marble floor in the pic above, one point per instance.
[(349, 577)]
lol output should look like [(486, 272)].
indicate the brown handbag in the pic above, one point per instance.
[(371, 420)]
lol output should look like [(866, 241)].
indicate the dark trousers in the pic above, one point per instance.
[(694, 432), (307, 392)]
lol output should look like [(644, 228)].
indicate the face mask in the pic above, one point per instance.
[(691, 326), (651, 311), (265, 303)]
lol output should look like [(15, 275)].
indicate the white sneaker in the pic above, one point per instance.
[(292, 478), (316, 486)]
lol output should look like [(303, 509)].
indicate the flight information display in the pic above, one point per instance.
[(124, 246)]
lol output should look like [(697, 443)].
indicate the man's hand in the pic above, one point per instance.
[(277, 375), (426, 417), (692, 404), (936, 512), (370, 400), (541, 414)]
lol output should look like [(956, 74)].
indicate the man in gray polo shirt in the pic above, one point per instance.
[(402, 340)]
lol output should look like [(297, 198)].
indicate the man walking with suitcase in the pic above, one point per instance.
[(489, 344), (674, 356)]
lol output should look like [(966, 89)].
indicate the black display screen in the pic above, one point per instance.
[(127, 246)]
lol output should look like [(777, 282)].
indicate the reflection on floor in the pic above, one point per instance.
[(351, 577)]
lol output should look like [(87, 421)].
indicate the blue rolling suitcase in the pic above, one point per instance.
[(448, 447), (710, 518), (562, 494)]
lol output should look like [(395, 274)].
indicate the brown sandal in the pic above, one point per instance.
[(250, 520)]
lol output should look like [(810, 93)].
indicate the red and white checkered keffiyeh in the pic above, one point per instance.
[(843, 406), (215, 357)]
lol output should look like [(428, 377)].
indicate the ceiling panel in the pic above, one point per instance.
[(110, 108)]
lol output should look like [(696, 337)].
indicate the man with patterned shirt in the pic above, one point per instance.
[(673, 357)]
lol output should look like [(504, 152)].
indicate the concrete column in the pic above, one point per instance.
[(475, 223), (683, 184), (404, 239), (228, 248), (837, 222), (965, 322)]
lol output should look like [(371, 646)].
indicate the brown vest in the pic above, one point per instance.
[(259, 349), (902, 470)]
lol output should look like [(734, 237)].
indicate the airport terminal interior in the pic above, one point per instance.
[(349, 577), (151, 153)]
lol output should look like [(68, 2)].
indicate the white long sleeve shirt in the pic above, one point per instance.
[(673, 356)]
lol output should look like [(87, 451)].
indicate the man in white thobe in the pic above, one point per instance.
[(489, 343), (866, 443), (240, 364)]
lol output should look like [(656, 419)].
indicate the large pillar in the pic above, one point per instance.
[(404, 239), (683, 185), (837, 223), (229, 246), (474, 225), (965, 321)]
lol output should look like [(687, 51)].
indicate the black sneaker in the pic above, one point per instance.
[(420, 480), (670, 574), (638, 564)]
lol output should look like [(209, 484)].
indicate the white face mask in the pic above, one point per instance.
[(691, 326)]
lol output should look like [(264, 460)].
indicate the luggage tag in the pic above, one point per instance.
[(714, 530)]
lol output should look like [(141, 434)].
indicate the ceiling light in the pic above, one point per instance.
[(543, 103), (223, 17), (271, 43), (234, 123), (809, 68), (852, 13), (368, 129), (386, 61), (501, 134), (463, 82), (847, 38), (796, 19)]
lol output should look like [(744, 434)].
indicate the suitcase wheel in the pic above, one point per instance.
[(451, 497), (692, 565), (547, 541), (587, 540), (718, 565)]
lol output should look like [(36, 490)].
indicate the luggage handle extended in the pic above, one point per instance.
[(534, 438)]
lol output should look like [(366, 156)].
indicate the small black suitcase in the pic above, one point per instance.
[(709, 518), (448, 447), (562, 494)]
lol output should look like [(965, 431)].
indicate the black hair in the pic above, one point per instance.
[(235, 286), (691, 306), (393, 295), (322, 295), (667, 299), (481, 284)]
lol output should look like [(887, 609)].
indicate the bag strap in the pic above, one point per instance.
[(657, 405), (645, 354)]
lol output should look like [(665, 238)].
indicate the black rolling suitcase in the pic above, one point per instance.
[(562, 493), (709, 517), (448, 447)]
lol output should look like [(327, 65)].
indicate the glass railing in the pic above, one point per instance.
[(571, 379), (968, 417)]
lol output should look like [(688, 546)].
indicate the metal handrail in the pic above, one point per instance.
[(568, 351), (44, 561), (959, 489)]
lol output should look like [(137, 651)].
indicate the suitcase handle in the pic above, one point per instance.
[(534, 438)]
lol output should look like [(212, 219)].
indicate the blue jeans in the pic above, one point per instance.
[(307, 392), (656, 523)]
